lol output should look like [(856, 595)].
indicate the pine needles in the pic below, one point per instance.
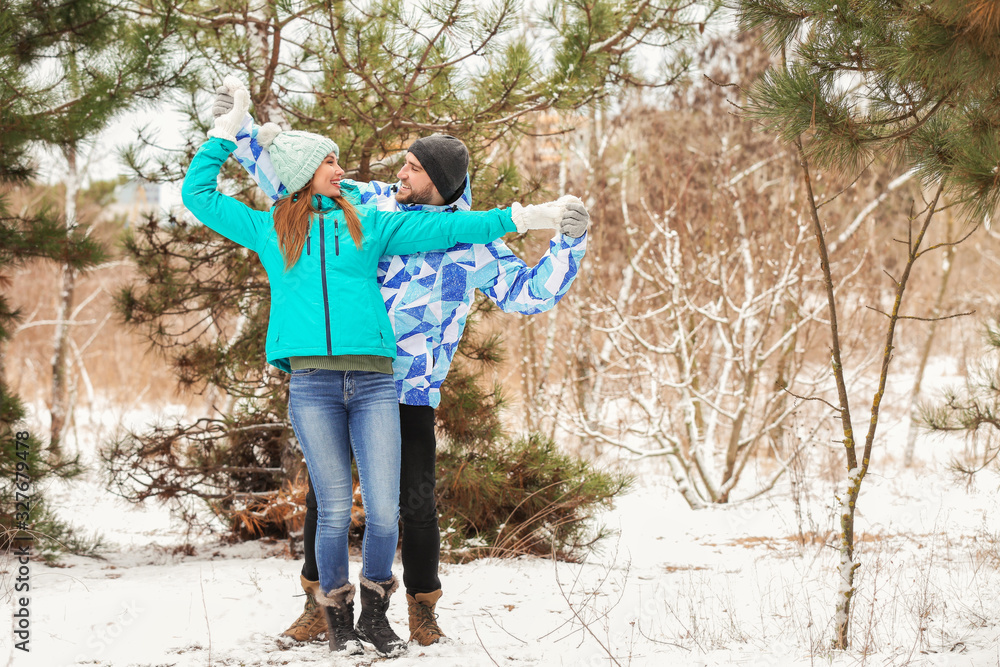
[(521, 497), (912, 83)]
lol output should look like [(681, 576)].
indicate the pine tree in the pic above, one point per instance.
[(973, 409), (71, 68), (374, 80), (23, 238), (30, 31), (911, 82), (120, 63)]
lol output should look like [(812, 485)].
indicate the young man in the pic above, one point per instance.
[(428, 296)]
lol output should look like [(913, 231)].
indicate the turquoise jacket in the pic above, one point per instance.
[(329, 302)]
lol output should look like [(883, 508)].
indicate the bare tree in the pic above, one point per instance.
[(856, 83), (692, 331)]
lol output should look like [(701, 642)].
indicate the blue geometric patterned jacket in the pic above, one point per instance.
[(428, 295)]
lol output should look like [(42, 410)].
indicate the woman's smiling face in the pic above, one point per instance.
[(326, 180)]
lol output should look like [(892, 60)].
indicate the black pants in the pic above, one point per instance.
[(417, 506)]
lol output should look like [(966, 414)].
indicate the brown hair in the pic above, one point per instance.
[(291, 222)]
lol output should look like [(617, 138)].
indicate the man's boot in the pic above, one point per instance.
[(424, 628), (310, 626), (338, 607), (373, 626)]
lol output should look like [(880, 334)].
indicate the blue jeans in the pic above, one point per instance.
[(334, 412)]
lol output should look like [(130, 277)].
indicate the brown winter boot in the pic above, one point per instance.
[(424, 628), (310, 626)]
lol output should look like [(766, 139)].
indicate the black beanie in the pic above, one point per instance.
[(446, 160)]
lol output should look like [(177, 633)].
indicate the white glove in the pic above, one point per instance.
[(230, 122), (541, 216)]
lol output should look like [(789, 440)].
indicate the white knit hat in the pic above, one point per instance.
[(295, 155)]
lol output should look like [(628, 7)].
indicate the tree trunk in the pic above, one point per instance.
[(265, 34), (947, 262), (59, 400), (528, 373), (847, 567), (857, 470)]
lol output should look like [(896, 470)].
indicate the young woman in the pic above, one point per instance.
[(329, 328)]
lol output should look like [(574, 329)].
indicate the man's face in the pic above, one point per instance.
[(415, 186)]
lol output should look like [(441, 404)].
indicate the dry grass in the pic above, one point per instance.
[(116, 366)]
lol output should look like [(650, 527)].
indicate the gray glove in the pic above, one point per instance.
[(575, 219), (229, 123), (223, 102)]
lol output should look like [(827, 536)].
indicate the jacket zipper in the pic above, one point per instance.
[(308, 245), (322, 272), (336, 236)]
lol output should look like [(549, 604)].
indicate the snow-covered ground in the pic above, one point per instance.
[(751, 584)]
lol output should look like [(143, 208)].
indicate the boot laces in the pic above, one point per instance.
[(427, 617), (342, 617), (380, 624), (310, 614)]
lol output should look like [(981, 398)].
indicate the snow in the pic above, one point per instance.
[(750, 584)]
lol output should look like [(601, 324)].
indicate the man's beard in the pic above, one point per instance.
[(425, 196)]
